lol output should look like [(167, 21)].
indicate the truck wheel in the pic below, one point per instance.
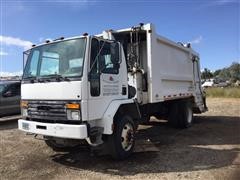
[(121, 142), (181, 114), (185, 115)]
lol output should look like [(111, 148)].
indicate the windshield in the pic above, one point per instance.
[(63, 58)]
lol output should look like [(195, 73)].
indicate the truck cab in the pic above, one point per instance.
[(68, 84)]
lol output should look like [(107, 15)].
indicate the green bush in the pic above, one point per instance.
[(227, 92)]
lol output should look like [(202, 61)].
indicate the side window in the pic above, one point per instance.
[(109, 58), (94, 69), (2, 88), (13, 89)]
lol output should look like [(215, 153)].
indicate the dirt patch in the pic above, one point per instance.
[(210, 149)]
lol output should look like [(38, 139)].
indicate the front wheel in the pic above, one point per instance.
[(121, 142)]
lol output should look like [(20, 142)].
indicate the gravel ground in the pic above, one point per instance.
[(210, 149)]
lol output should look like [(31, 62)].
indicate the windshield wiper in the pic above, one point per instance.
[(62, 78), (58, 77), (30, 78)]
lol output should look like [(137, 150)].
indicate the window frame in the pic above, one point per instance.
[(91, 72)]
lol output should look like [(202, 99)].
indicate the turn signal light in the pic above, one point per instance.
[(73, 106), (24, 104)]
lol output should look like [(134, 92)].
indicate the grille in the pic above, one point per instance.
[(47, 110)]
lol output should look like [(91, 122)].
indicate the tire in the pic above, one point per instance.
[(121, 142), (186, 115), (181, 114), (173, 115)]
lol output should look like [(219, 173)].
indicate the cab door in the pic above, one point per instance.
[(105, 77)]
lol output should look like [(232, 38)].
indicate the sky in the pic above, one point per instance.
[(211, 26)]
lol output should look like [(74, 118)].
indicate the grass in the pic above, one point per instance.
[(228, 92)]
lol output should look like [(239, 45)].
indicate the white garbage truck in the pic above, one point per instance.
[(98, 88)]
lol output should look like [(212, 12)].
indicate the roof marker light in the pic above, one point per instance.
[(61, 38)]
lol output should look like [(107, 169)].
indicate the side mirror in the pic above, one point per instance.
[(115, 58), (7, 94)]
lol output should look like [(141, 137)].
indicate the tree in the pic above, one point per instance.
[(234, 71), (231, 73), (225, 74), (216, 73), (206, 74)]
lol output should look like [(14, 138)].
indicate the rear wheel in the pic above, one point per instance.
[(186, 115), (181, 114), (121, 142)]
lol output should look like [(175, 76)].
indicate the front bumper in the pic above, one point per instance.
[(55, 130)]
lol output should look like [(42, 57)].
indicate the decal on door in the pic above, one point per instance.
[(110, 86)]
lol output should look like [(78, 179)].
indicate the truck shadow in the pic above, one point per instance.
[(212, 142)]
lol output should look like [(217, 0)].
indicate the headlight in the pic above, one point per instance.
[(24, 112), (73, 114), (73, 111)]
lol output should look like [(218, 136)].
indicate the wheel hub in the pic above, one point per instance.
[(127, 137)]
